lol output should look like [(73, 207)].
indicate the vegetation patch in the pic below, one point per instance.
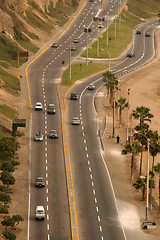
[(11, 83), (80, 71), (8, 111)]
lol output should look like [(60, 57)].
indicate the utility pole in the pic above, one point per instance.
[(127, 140), (70, 60), (114, 112), (98, 40)]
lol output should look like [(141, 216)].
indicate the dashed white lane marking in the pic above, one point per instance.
[(47, 226), (88, 162), (45, 148), (47, 217), (92, 184), (87, 155), (95, 200), (90, 169), (46, 161), (100, 228), (91, 176), (46, 155), (97, 209), (94, 192), (86, 148), (83, 133), (47, 207), (46, 175), (84, 141), (47, 199), (46, 182), (46, 168), (99, 219), (47, 190)]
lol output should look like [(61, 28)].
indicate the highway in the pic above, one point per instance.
[(96, 205)]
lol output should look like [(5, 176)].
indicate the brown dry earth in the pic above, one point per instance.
[(145, 90)]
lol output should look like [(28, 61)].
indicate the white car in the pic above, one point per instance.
[(75, 121), (38, 106), (40, 212), (38, 137), (91, 86)]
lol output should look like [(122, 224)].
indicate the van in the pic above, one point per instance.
[(40, 212)]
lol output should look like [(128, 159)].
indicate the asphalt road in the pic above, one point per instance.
[(97, 211)]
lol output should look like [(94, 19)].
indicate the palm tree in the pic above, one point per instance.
[(141, 184), (142, 113), (133, 148), (157, 170), (142, 138), (111, 82), (121, 104)]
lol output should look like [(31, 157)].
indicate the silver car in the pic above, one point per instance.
[(38, 137), (53, 134), (51, 108)]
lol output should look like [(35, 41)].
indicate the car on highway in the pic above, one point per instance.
[(76, 40), (74, 96), (130, 55), (40, 213), (54, 45), (147, 35), (40, 182), (38, 137), (91, 86), (53, 134), (38, 106), (51, 108), (73, 48), (138, 32), (75, 121)]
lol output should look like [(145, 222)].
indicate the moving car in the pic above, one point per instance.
[(38, 106), (75, 121), (74, 96), (73, 48), (53, 134), (40, 213), (91, 86), (76, 40), (40, 182), (138, 32), (54, 45), (51, 108), (38, 137), (130, 55), (147, 35)]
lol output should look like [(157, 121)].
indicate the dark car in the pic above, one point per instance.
[(53, 134), (73, 48), (147, 35), (138, 32), (40, 182), (54, 45), (130, 55), (74, 96), (51, 109)]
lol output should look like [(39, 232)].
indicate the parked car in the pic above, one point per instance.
[(38, 137), (76, 40), (38, 106), (51, 108), (74, 96), (53, 134), (91, 86), (138, 32), (73, 48), (130, 55), (54, 45), (40, 213), (40, 182), (75, 121), (147, 35)]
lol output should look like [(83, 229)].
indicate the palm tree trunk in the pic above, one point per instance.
[(140, 167), (132, 161)]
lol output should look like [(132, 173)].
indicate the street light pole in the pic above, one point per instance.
[(128, 116), (70, 61), (147, 192), (87, 48), (114, 112), (98, 40)]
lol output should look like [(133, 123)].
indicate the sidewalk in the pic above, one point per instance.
[(131, 208)]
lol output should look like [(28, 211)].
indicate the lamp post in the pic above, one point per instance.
[(114, 112), (147, 184), (128, 116), (87, 30), (70, 60)]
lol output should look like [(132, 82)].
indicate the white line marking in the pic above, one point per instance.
[(95, 200)]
